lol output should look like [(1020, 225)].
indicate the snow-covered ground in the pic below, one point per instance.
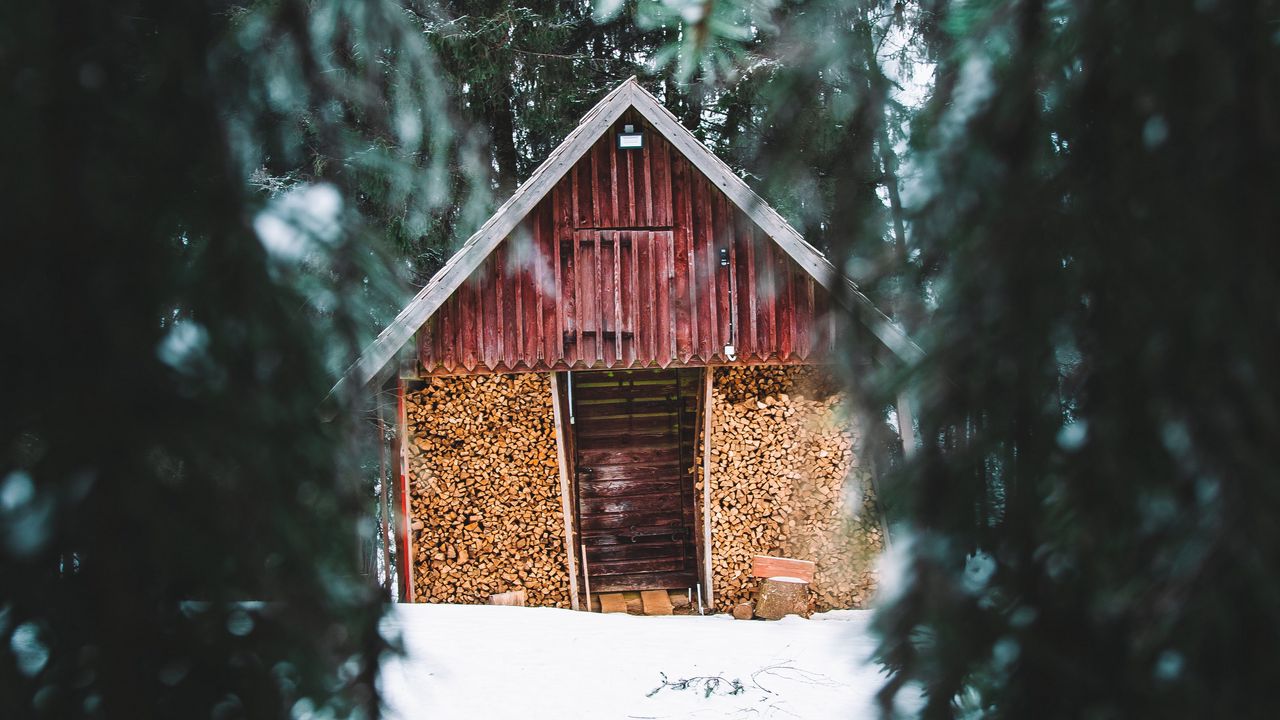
[(466, 661)]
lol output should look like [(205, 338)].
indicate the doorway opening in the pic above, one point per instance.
[(635, 436)]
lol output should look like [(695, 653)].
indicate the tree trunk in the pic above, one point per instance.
[(779, 597), (501, 121)]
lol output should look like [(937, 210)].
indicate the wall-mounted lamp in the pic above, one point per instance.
[(630, 138)]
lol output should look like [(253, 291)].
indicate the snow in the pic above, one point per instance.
[(292, 223), (476, 661)]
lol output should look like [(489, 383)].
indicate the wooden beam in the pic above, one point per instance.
[(566, 504), (707, 412), (396, 520), (406, 514), (701, 549), (586, 576)]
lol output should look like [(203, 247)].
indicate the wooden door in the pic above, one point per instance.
[(634, 434), (615, 280)]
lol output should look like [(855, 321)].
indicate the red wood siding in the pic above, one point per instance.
[(620, 266)]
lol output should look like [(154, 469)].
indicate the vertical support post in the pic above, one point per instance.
[(707, 412), (562, 457), (385, 536), (406, 516), (586, 578), (906, 426)]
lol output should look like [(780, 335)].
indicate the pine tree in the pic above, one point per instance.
[(1091, 512), (522, 74), (1082, 245), (178, 527)]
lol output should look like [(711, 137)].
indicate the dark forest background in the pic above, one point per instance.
[(1071, 205)]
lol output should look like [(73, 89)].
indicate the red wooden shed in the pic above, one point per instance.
[(631, 262)]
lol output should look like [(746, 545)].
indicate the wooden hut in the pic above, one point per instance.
[(617, 383)]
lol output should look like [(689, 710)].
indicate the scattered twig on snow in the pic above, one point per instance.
[(788, 671), (708, 684)]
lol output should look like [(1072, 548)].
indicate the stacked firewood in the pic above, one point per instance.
[(485, 490), (786, 481)]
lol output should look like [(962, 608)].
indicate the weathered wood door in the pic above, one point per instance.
[(634, 434)]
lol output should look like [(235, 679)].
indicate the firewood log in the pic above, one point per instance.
[(786, 480), (485, 490)]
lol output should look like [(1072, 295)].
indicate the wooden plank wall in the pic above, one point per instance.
[(634, 260)]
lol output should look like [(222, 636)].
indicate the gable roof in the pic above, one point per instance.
[(593, 125)]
